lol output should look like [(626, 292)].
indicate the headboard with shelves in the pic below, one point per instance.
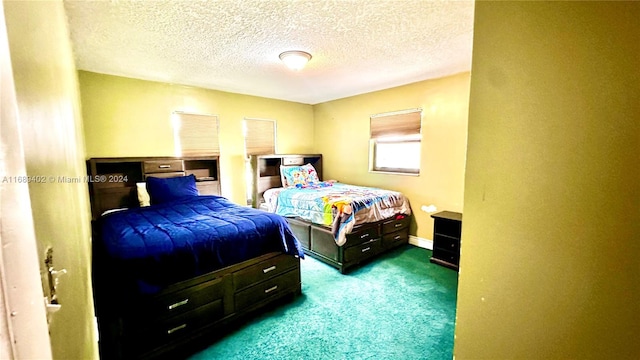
[(112, 181), (265, 171)]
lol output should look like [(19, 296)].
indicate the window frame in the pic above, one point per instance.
[(388, 135), (393, 170), (249, 175)]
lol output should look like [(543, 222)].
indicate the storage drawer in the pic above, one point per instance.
[(448, 227), (208, 187), (160, 333), (292, 161), (362, 234), (114, 198), (392, 225), (448, 256), (183, 301), (263, 271), (396, 238), (446, 243), (160, 166), (363, 251), (270, 288), (268, 182), (165, 174)]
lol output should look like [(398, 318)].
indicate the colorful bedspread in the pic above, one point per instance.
[(152, 247), (338, 205)]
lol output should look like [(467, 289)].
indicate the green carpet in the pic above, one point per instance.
[(398, 306)]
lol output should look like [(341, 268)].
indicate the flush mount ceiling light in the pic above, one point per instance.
[(296, 59)]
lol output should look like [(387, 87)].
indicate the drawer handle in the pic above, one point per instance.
[(178, 304), (397, 237), (171, 331), (271, 268), (270, 289), (366, 249), (364, 236), (398, 225), (164, 166)]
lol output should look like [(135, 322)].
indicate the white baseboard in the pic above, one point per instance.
[(421, 242)]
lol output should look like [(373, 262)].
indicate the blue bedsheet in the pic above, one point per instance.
[(155, 246)]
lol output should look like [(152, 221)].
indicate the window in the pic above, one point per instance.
[(259, 136), (259, 139), (395, 142), (195, 134)]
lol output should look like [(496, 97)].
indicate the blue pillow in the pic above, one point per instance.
[(162, 190)]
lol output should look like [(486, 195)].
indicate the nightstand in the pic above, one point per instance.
[(446, 239)]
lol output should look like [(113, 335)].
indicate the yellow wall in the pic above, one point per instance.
[(342, 137), (127, 117), (51, 127), (550, 239)]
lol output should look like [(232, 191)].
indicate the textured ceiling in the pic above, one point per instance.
[(357, 46)]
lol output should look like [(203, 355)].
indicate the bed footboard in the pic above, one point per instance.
[(187, 315), (363, 243)]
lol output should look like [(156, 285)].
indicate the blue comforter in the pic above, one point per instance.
[(155, 246)]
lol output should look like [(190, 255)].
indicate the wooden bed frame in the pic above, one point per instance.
[(188, 315), (365, 241)]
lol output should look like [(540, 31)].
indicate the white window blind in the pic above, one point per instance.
[(260, 136), (401, 123), (196, 134)]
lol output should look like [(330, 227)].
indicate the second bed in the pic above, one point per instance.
[(339, 224)]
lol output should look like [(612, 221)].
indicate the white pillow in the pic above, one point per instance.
[(143, 194), (107, 212)]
